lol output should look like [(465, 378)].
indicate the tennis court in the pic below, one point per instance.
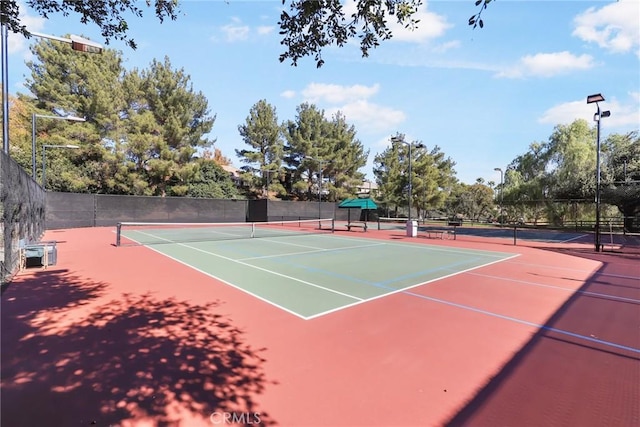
[(301, 266), (309, 324), (494, 232)]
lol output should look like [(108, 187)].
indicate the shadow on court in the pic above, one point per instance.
[(129, 359), (587, 377)]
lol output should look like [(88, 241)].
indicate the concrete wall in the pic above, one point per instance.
[(22, 207)]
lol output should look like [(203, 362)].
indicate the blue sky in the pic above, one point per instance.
[(481, 95)]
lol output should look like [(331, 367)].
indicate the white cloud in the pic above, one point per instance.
[(548, 65), (369, 116), (17, 42), (353, 102), (238, 31), (623, 115), (288, 94), (265, 30), (235, 33), (444, 47), (614, 27), (334, 94)]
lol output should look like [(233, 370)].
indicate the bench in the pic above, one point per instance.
[(439, 233), (362, 225), (39, 254)]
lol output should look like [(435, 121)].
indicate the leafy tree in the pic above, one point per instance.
[(211, 181), (571, 157), (621, 176), (20, 109), (527, 184), (319, 147), (471, 201), (310, 26), (262, 133), (432, 176), (557, 179), (143, 127), (306, 136), (166, 123), (65, 82), (388, 170), (346, 156), (109, 16)]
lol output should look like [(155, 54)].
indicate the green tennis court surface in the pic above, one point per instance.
[(309, 275)]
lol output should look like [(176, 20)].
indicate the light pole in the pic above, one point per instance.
[(44, 160), (77, 43), (35, 116), (411, 230), (599, 114), (321, 164), (501, 190), (268, 172), (4, 31)]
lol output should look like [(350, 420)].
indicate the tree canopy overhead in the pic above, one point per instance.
[(306, 27), (109, 16)]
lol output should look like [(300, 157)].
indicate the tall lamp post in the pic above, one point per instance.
[(34, 117), (321, 164), (44, 160), (77, 43), (501, 190), (599, 114), (411, 230), (268, 171)]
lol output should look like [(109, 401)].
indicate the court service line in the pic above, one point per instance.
[(248, 265), (579, 270), (573, 238), (405, 289), (272, 272), (427, 246), (560, 288), (206, 273), (528, 323), (310, 252)]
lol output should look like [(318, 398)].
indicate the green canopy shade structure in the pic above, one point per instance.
[(358, 204), (362, 204)]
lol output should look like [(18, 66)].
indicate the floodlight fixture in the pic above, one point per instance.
[(595, 98)]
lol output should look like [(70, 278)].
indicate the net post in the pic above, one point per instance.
[(333, 225), (118, 230), (253, 230)]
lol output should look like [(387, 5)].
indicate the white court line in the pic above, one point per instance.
[(542, 285), (311, 252), (423, 246), (594, 273), (569, 240), (357, 299), (266, 271), (203, 231), (405, 289), (213, 276)]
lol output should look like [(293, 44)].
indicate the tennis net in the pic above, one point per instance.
[(391, 223), (149, 233)]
